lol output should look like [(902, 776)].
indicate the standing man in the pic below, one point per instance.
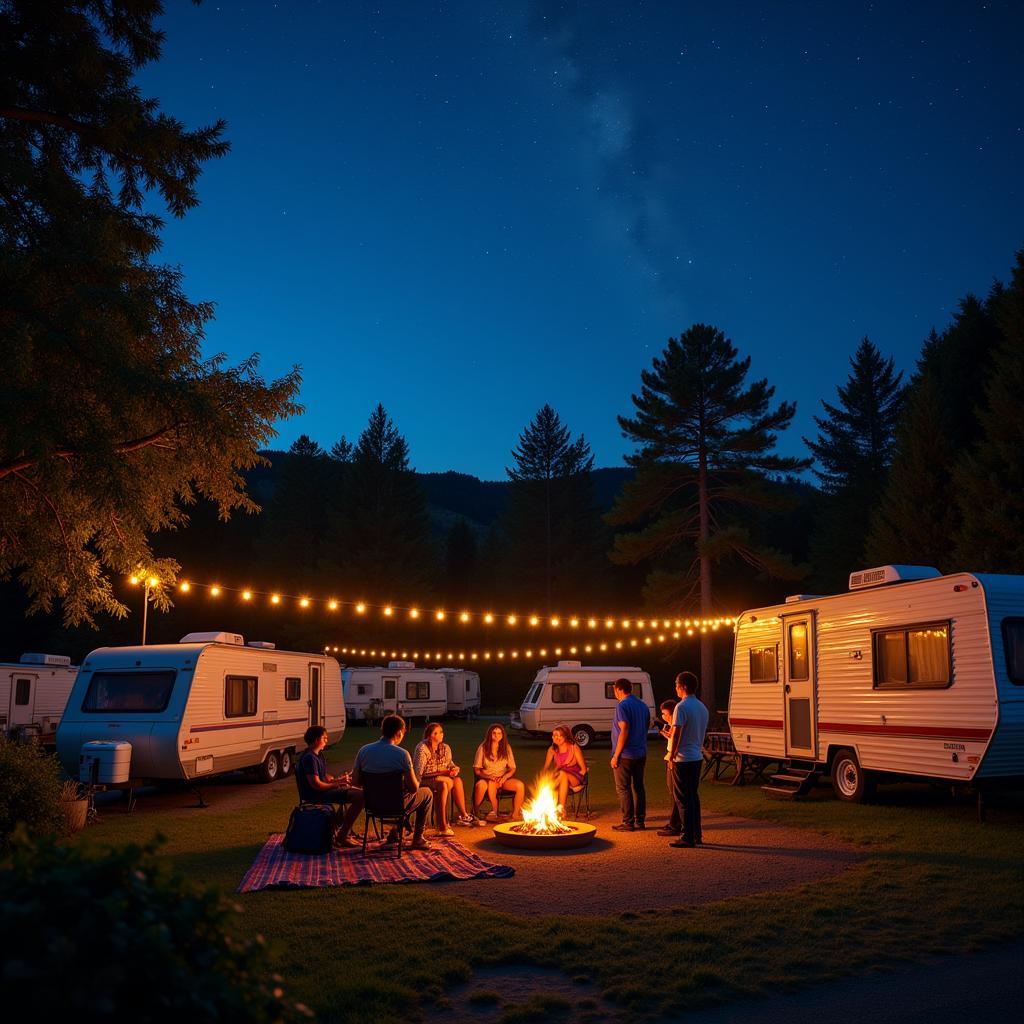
[(629, 756), (686, 738), (388, 755)]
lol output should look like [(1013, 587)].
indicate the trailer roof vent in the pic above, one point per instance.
[(793, 598), (401, 664), (213, 638), (45, 659), (884, 574), (263, 645), (570, 664)]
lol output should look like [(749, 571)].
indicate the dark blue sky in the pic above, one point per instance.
[(465, 210)]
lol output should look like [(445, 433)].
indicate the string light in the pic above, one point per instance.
[(214, 591), (246, 595), (184, 586)]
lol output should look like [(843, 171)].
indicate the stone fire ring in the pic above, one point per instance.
[(581, 835)]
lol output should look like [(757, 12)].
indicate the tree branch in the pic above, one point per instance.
[(22, 463)]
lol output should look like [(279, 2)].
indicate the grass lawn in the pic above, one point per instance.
[(933, 881)]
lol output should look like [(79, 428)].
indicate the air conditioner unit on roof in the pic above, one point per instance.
[(213, 638), (45, 659), (883, 574)]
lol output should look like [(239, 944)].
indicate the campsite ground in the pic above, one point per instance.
[(784, 896)]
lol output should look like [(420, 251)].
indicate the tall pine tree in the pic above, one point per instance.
[(705, 439), (852, 453)]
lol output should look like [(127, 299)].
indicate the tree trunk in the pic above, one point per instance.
[(707, 650)]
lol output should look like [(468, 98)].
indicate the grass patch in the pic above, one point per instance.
[(933, 881)]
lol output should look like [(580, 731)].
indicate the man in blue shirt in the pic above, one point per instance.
[(629, 756), (685, 743), (318, 786)]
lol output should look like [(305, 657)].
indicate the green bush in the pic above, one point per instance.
[(29, 792), (116, 936)]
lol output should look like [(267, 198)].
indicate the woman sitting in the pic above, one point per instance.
[(565, 759), (495, 767), (433, 763)]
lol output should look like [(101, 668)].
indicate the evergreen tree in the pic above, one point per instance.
[(852, 451), (342, 450), (553, 530), (387, 547), (916, 519), (460, 563), (705, 438), (305, 447), (990, 477), (121, 422)]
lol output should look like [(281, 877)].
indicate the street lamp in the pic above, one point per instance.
[(148, 583)]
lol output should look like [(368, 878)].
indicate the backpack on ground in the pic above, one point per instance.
[(310, 829)]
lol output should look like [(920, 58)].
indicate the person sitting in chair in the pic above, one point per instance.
[(388, 755), (433, 762), (494, 767), (318, 786), (565, 759)]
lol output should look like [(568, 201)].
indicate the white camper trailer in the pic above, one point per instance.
[(33, 693), (580, 696), (910, 673), (463, 692), (400, 689), (206, 705)]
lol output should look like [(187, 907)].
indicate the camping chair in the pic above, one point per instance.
[(580, 798), (384, 803)]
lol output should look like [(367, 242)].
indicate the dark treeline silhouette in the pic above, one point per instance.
[(706, 516)]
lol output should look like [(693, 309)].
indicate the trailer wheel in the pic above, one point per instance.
[(850, 782), (287, 763), (583, 735), (271, 767)]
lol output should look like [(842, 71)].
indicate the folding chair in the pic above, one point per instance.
[(580, 798), (384, 803)]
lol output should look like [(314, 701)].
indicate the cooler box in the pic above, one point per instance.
[(112, 760)]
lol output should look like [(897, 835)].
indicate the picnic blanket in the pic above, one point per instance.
[(276, 868)]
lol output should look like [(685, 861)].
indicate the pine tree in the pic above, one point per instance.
[(121, 422), (989, 477), (552, 527), (705, 438), (342, 450), (853, 450), (305, 447), (916, 519)]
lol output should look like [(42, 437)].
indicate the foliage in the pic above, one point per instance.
[(552, 530), (705, 441), (460, 562), (116, 934), (852, 452), (30, 793), (122, 422)]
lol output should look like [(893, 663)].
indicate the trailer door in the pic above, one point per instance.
[(23, 699), (390, 695), (798, 667), (316, 715)]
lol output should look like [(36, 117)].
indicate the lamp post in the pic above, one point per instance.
[(148, 583)]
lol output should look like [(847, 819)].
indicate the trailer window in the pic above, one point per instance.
[(531, 697), (565, 693), (764, 664), (240, 696), (417, 689), (22, 689), (1013, 645), (292, 688), (916, 657), (798, 663), (129, 692), (361, 690)]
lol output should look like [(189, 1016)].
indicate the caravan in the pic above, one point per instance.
[(33, 693), (371, 692), (910, 673), (580, 696), (206, 705)]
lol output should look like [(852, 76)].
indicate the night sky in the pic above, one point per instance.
[(466, 210)]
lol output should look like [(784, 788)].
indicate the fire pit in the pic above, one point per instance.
[(542, 828)]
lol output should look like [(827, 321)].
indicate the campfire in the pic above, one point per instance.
[(542, 826)]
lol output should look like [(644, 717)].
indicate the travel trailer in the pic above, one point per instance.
[(580, 696), (909, 673), (207, 705), (463, 692), (33, 693), (371, 692)]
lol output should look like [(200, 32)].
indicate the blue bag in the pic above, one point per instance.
[(310, 829)]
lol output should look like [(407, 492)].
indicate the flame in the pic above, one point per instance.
[(541, 814)]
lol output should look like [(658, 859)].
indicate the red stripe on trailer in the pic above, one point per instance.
[(758, 723), (247, 725), (909, 730)]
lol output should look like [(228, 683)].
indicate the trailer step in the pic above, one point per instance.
[(791, 781), (779, 791)]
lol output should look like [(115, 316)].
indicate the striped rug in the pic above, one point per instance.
[(275, 868)]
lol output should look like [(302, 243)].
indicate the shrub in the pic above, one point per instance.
[(111, 935), (30, 792)]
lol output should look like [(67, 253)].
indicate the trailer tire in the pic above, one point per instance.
[(270, 770), (287, 762), (850, 782), (583, 735)]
